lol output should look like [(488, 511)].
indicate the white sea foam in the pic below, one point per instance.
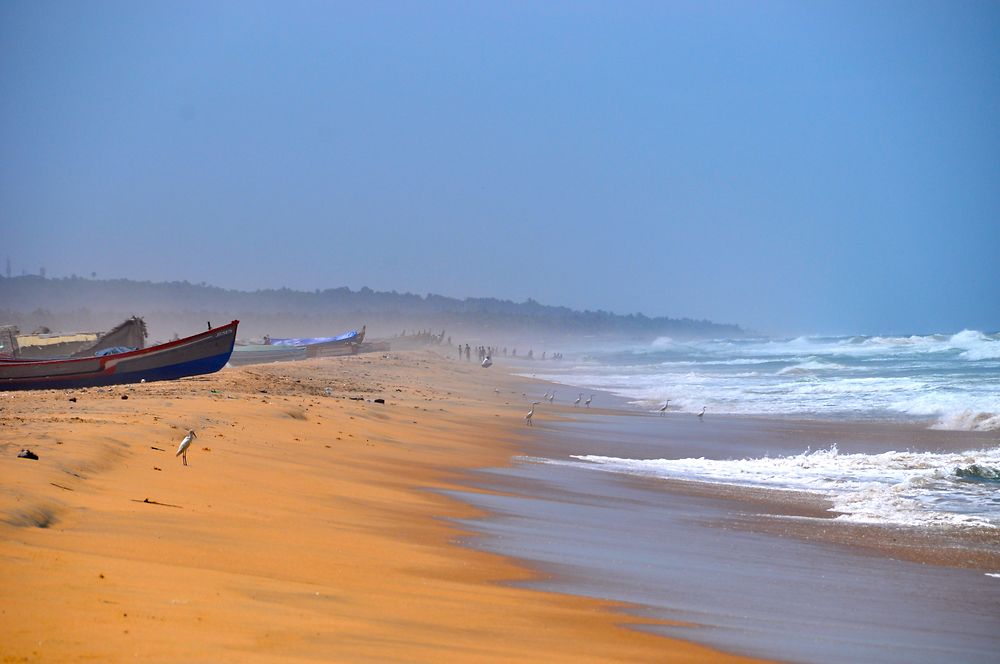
[(968, 420), (907, 488), (810, 366), (663, 342), (946, 381)]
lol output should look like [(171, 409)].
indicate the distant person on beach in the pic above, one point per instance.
[(468, 353)]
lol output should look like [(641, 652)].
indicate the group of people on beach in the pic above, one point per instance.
[(483, 352)]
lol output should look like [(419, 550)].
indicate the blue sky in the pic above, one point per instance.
[(794, 167)]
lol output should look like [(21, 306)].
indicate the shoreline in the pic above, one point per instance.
[(784, 435), (811, 517), (616, 536), (307, 526)]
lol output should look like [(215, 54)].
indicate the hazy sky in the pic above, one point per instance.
[(794, 167)]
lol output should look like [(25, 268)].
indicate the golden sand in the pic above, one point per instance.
[(305, 527)]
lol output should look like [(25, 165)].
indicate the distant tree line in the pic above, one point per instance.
[(70, 304)]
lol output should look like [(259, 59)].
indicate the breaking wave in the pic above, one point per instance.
[(943, 381), (905, 488)]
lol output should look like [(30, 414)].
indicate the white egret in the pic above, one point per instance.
[(531, 413), (663, 409), (182, 449), (702, 413), (589, 399), (577, 402)]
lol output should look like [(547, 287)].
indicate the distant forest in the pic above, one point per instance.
[(76, 304)]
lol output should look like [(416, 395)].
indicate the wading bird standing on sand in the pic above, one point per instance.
[(577, 402), (552, 396), (182, 449), (702, 413), (531, 413), (589, 399), (663, 409)]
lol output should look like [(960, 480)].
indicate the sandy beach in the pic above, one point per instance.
[(311, 523), (743, 259)]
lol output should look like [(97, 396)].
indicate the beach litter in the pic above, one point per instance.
[(27, 454), (153, 502)]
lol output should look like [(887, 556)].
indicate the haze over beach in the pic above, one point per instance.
[(735, 264), (794, 169)]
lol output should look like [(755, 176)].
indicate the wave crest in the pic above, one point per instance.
[(811, 365), (968, 420), (975, 345), (977, 472), (907, 488)]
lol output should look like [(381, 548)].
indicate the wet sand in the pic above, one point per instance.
[(311, 524), (757, 572)]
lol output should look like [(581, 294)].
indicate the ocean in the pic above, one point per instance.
[(947, 381), (937, 382), (838, 501)]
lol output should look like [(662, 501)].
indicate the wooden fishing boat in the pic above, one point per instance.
[(130, 334), (344, 344), (261, 354), (49, 346), (202, 353), (45, 346), (352, 337)]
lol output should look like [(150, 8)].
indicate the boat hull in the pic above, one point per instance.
[(261, 354), (195, 355)]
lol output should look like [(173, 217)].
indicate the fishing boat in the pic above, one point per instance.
[(261, 353), (202, 353), (130, 334), (344, 344), (43, 345)]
